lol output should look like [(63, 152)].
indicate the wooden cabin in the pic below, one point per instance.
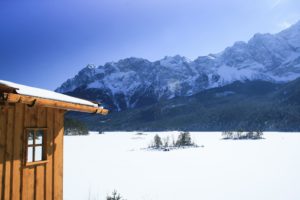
[(31, 140)]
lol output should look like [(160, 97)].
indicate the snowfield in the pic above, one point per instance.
[(267, 169)]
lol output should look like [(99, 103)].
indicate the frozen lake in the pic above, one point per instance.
[(267, 169)]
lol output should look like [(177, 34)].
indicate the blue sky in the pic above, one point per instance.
[(43, 43)]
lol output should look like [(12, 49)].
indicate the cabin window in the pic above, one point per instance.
[(35, 145)]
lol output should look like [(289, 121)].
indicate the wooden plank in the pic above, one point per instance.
[(3, 123), (28, 183), (40, 169), (58, 154), (49, 168), (9, 152), (28, 178), (36, 101), (18, 150), (39, 185), (42, 117)]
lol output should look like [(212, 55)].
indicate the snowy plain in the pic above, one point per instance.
[(267, 169)]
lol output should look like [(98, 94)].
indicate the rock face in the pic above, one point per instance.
[(136, 82)]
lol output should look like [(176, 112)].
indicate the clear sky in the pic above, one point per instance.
[(43, 43)]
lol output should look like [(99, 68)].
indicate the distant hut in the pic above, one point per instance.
[(31, 140)]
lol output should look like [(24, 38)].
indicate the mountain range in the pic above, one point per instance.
[(247, 105), (134, 84)]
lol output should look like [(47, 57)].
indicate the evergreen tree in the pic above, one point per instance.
[(184, 139), (114, 196), (157, 141)]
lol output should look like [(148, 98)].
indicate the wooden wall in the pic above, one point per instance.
[(38, 182)]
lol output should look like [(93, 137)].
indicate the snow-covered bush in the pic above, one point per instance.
[(114, 196), (240, 135), (258, 134), (227, 134), (166, 141)]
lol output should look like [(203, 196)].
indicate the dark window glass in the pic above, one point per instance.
[(35, 145)]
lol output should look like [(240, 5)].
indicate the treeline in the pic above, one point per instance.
[(250, 105), (75, 127)]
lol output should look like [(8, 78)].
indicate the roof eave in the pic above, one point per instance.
[(37, 101)]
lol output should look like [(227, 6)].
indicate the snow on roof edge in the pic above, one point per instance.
[(46, 94)]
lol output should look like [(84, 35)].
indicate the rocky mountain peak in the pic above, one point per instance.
[(134, 82)]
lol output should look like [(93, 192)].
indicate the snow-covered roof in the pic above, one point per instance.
[(46, 94)]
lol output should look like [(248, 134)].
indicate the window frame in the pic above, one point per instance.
[(44, 159)]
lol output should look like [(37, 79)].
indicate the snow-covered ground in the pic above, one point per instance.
[(266, 169)]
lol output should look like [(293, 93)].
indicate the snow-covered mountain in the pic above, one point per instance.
[(134, 82)]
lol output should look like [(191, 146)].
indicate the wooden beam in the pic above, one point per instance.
[(40, 169), (9, 153), (8, 89), (58, 142), (28, 172), (50, 149), (37, 101), (18, 150), (3, 130)]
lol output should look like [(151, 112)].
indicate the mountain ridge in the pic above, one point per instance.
[(136, 82)]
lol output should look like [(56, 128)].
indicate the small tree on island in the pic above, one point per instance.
[(227, 134), (258, 134), (115, 196), (157, 141), (184, 139), (240, 135), (166, 142)]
